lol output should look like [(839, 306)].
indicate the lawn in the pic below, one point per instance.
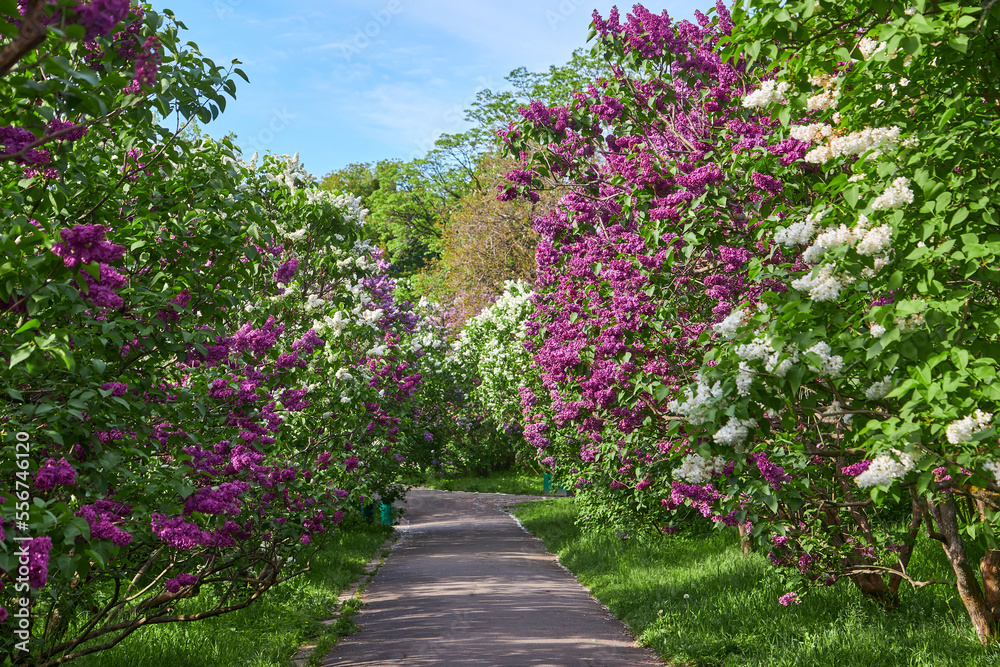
[(267, 633), (517, 482), (697, 600)]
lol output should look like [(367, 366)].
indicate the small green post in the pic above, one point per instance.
[(385, 512)]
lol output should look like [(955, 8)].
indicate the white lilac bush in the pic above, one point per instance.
[(491, 350)]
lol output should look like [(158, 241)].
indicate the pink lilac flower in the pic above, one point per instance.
[(85, 244), (17, 140), (286, 271), (100, 17), (116, 388), (309, 342), (147, 65), (180, 581), (789, 598), (54, 473), (181, 301), (102, 516), (38, 561), (856, 469)]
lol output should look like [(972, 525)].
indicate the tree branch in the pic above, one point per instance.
[(31, 34)]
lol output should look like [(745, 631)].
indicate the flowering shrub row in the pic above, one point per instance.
[(205, 362), (770, 294)]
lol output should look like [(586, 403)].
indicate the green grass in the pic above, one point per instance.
[(698, 601), (518, 482), (267, 633)]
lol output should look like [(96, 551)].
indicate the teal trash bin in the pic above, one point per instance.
[(385, 512), (546, 483)]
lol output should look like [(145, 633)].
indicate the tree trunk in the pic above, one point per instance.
[(871, 585), (989, 566), (746, 544), (916, 519), (982, 618)]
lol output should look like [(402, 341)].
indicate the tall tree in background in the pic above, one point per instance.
[(486, 243)]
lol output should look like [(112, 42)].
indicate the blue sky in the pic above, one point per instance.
[(355, 81)]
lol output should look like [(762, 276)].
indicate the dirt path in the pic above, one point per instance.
[(465, 585)]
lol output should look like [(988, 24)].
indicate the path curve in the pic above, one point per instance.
[(466, 585)]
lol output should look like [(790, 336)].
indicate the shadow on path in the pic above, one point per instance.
[(465, 585)]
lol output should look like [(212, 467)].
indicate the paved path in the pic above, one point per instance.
[(465, 585)]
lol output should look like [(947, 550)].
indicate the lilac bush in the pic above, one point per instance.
[(208, 361)]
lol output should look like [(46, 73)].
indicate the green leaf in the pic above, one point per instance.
[(771, 502), (28, 326), (960, 43), (20, 355)]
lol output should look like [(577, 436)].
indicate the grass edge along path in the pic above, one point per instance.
[(697, 601), (514, 482), (342, 623), (270, 632)]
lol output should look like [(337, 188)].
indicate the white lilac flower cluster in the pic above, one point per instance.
[(866, 241), (744, 379), (771, 92), (427, 340), (885, 467), (993, 467), (492, 345), (873, 141), (761, 349), (812, 133), (696, 469), (758, 349), (910, 323), (350, 207), (896, 195), (801, 232), (831, 238), (830, 364), (697, 401), (369, 317), (314, 302), (869, 47), (963, 429), (827, 98), (821, 284), (879, 390), (728, 326), (734, 431), (874, 240), (357, 262), (333, 324)]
